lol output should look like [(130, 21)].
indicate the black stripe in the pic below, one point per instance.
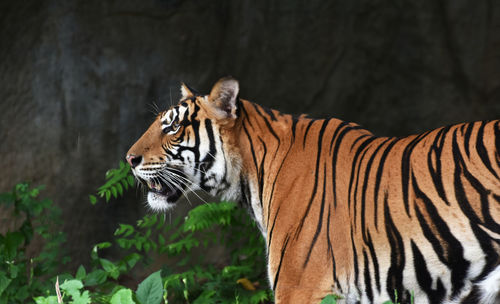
[(481, 150), (274, 184), (467, 136), (373, 256), (294, 127), (318, 159), (270, 113), (283, 249), (267, 123), (395, 272), (436, 149), (360, 153), (195, 124), (453, 254), (378, 180), (406, 168), (358, 139), (251, 144), (497, 140), (311, 122), (355, 260), (353, 194), (461, 195), (368, 281), (424, 278), (261, 173), (211, 147), (365, 188), (330, 251), (272, 229), (320, 221), (245, 113), (246, 197), (489, 246), (336, 133), (337, 138)]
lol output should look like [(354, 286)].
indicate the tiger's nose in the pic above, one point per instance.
[(134, 160)]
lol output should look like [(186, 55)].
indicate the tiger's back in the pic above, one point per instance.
[(346, 212)]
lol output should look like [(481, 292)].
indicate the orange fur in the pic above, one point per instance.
[(344, 211)]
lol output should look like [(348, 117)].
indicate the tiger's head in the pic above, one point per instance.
[(190, 147)]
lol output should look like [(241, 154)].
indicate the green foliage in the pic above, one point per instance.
[(330, 299), (247, 257), (118, 180), (122, 296), (205, 225), (191, 279), (150, 291), (72, 288), (21, 275)]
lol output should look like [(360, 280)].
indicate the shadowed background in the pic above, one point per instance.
[(78, 79)]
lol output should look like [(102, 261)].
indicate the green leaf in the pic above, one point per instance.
[(110, 268), (80, 273), (234, 272), (125, 183), (330, 299), (83, 298), (132, 259), (130, 180), (47, 300), (120, 189), (96, 277), (72, 286), (108, 195), (4, 282), (114, 192), (122, 296), (12, 241), (14, 270), (260, 296), (124, 229), (161, 240), (94, 253), (150, 291), (93, 199)]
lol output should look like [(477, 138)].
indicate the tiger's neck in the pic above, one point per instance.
[(270, 143)]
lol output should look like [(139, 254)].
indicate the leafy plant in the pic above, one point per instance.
[(330, 299), (118, 180), (191, 279), (21, 275), (205, 225)]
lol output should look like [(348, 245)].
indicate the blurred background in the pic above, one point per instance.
[(78, 79)]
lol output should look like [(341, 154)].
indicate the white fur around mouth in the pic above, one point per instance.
[(159, 202), (162, 196)]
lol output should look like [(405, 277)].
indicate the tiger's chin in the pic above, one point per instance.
[(161, 197), (159, 203)]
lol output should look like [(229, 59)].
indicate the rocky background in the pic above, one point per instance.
[(78, 79)]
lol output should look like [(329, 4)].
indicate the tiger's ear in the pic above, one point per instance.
[(223, 97), (186, 91)]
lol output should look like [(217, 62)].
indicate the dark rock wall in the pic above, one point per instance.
[(78, 79)]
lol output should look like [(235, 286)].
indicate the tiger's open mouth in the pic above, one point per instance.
[(170, 193)]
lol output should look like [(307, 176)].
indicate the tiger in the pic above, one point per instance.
[(342, 211)]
